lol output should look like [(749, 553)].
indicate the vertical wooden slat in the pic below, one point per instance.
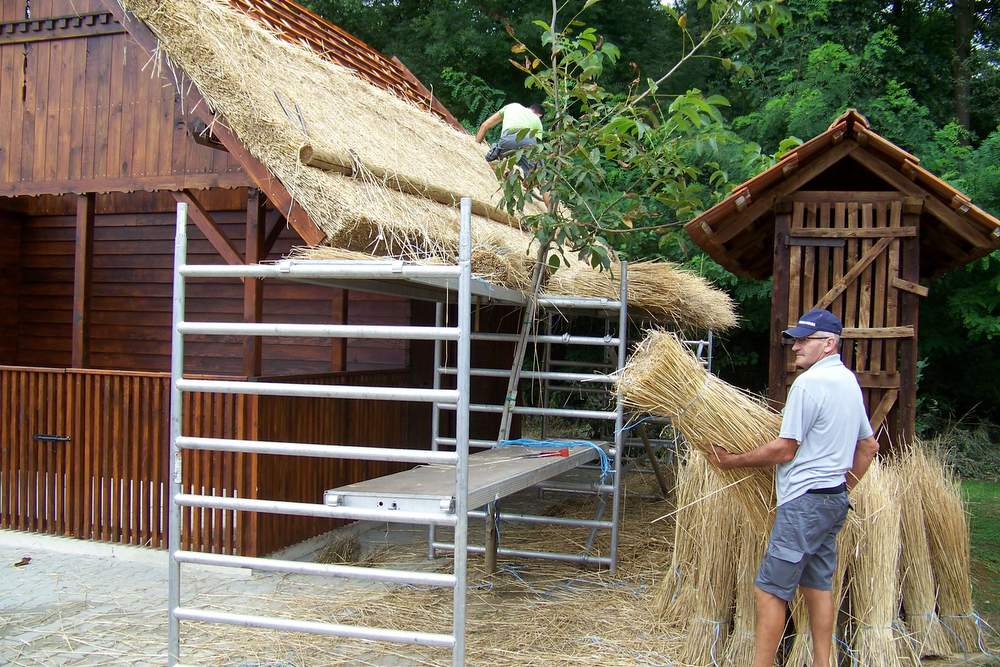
[(880, 279), (253, 290), (7, 445), (851, 300), (89, 422), (795, 268), (823, 253), (20, 438), (839, 221), (222, 402), (909, 313), (809, 268), (159, 456), (891, 311), (107, 458), (864, 286), (116, 102), (50, 138), (83, 261)]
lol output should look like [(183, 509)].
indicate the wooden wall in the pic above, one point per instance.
[(10, 234), (80, 114), (131, 303)]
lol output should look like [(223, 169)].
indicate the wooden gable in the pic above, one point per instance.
[(848, 157)]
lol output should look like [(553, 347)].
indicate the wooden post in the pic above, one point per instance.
[(341, 313), (82, 278), (909, 314), (253, 298), (779, 310)]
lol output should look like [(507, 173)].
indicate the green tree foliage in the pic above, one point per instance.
[(908, 65)]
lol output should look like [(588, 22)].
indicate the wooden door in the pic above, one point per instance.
[(855, 254)]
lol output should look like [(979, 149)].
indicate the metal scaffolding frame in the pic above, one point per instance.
[(458, 278), (446, 470)]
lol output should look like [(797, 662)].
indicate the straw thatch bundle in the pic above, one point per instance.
[(917, 572), (664, 378), (714, 532), (751, 546), (948, 539), (874, 567), (672, 293), (678, 586), (399, 170)]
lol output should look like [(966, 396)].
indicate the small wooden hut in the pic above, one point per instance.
[(850, 222)]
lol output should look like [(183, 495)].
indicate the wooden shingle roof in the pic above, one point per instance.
[(849, 155)]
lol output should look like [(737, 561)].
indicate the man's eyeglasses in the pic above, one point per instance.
[(804, 338)]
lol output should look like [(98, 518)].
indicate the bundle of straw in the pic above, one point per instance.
[(801, 653), (917, 572), (740, 646), (948, 538), (667, 292), (874, 567), (678, 586), (715, 532), (664, 378)]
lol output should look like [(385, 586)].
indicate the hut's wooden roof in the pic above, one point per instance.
[(849, 155)]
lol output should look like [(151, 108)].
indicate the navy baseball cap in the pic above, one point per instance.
[(815, 320)]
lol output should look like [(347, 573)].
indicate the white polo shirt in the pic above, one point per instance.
[(825, 413)]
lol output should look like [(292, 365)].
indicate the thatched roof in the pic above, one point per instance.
[(276, 96)]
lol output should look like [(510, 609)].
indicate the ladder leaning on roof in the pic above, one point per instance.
[(455, 515)]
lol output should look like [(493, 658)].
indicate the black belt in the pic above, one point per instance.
[(830, 490)]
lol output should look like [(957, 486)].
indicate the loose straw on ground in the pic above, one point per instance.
[(916, 570), (948, 539), (874, 567), (664, 378)]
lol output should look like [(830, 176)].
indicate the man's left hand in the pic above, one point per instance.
[(721, 458)]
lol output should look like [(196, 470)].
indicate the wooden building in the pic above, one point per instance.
[(95, 152), (852, 223)]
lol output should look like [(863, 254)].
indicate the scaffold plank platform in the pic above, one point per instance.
[(493, 473)]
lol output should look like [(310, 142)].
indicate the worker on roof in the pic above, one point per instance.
[(521, 127)]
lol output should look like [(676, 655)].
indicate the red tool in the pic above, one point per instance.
[(560, 453)]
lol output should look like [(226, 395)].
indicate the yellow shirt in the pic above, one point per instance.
[(517, 117)]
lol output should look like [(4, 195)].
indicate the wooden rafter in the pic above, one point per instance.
[(203, 220), (907, 286), (882, 409), (278, 225)]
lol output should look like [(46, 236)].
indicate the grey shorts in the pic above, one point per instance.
[(803, 545), (508, 144)]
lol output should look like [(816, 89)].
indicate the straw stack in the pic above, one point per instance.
[(740, 646), (715, 532), (673, 294), (678, 586), (874, 567), (664, 378), (917, 572), (948, 538)]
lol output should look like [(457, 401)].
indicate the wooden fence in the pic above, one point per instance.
[(84, 453)]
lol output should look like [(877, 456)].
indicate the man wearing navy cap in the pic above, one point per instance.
[(824, 447)]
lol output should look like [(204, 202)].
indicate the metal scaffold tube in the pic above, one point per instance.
[(174, 482), (462, 431), (619, 420)]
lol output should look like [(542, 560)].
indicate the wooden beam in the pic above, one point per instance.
[(955, 222), (855, 271), (203, 220), (278, 225), (202, 134), (253, 288), (265, 180), (341, 315), (882, 409), (831, 196), (83, 262), (907, 286), (814, 241), (909, 313), (764, 202), (779, 311), (864, 233), (877, 332)]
